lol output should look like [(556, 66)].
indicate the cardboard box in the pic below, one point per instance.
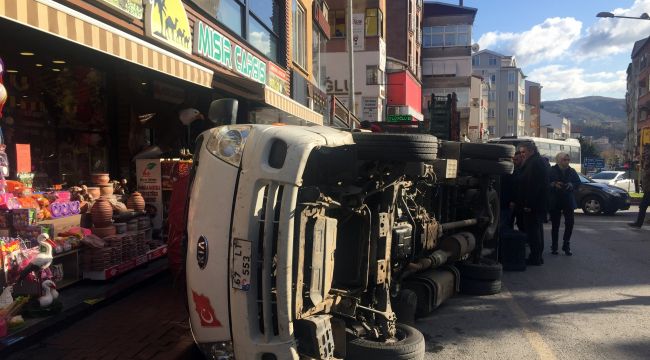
[(61, 225)]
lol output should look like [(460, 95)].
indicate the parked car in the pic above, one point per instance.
[(619, 179), (597, 198)]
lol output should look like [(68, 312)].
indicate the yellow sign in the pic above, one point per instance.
[(166, 21), (645, 136)]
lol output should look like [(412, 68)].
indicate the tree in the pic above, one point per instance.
[(587, 148)]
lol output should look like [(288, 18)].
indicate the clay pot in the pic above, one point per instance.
[(100, 178), (106, 189), (103, 232), (135, 202), (102, 212), (94, 192)]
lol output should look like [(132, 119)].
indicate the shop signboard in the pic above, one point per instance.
[(166, 21), (277, 79), (398, 117), (213, 45), (150, 186), (370, 108), (130, 8), (358, 32), (382, 54)]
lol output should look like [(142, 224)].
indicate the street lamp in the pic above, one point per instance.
[(604, 14)]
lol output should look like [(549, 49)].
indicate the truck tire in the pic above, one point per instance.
[(486, 151), (409, 346), (486, 269), (479, 287), (396, 147), (487, 167)]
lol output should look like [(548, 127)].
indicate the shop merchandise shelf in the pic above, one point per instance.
[(124, 267)]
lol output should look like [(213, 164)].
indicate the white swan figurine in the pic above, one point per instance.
[(49, 289)]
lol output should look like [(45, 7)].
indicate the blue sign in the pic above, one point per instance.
[(597, 163)]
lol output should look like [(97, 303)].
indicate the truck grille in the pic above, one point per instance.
[(267, 249)]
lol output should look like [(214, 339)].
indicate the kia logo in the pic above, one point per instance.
[(202, 252)]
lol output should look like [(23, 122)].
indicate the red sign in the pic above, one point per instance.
[(277, 79), (205, 311), (23, 158)]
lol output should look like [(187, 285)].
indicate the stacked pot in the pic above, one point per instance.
[(102, 210)]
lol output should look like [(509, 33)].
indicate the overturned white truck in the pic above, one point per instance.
[(311, 242)]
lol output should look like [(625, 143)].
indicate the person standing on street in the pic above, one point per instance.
[(645, 184), (532, 199), (563, 180)]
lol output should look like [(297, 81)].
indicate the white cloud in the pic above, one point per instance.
[(608, 36), (549, 40), (562, 82)]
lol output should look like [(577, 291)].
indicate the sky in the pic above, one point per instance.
[(561, 44)]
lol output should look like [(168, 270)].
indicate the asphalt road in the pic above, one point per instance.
[(593, 305)]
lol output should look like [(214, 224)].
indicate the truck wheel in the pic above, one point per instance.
[(487, 167), (408, 345), (479, 287), (396, 147), (486, 151), (486, 269)]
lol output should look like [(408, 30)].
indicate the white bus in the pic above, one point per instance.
[(548, 148)]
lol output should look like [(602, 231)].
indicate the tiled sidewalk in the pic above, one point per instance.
[(150, 323)]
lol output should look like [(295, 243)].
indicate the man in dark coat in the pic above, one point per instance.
[(645, 184), (563, 180), (532, 199)]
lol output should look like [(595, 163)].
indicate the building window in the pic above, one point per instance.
[(493, 78), (491, 115), (521, 115), (299, 29), (491, 130), (337, 23), (492, 61), (318, 48), (511, 114), (511, 129), (450, 35), (374, 22), (511, 77), (492, 95), (476, 61), (511, 95), (260, 26), (374, 76)]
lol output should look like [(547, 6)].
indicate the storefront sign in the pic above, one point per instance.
[(277, 79), (382, 54), (370, 108), (358, 32), (23, 158), (398, 118), (216, 47), (336, 87), (150, 186), (166, 21), (131, 8)]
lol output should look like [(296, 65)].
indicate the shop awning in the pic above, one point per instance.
[(61, 21), (290, 106)]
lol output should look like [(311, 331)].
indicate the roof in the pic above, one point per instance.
[(638, 45), (489, 52), (434, 8), (549, 119)]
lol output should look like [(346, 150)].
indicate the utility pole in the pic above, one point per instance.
[(351, 57)]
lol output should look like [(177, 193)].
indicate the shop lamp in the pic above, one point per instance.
[(12, 71), (39, 65), (58, 61), (227, 143), (27, 53)]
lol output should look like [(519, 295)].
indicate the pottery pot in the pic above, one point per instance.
[(106, 189), (135, 202), (100, 178), (94, 192), (103, 232), (102, 212)]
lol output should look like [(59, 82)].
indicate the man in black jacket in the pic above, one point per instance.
[(532, 196)]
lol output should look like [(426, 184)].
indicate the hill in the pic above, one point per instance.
[(595, 115)]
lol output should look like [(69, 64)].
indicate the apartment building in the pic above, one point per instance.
[(369, 46), (533, 106), (507, 103), (403, 70), (447, 62)]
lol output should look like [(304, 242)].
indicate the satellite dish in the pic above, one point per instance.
[(475, 47)]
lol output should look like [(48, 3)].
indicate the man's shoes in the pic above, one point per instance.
[(634, 225), (554, 252), (568, 252)]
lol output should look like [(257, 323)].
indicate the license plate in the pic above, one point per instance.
[(240, 273)]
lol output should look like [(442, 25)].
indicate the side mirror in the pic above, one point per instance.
[(223, 112)]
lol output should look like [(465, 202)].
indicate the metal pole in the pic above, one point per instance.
[(351, 57)]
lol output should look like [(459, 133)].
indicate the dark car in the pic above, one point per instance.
[(597, 198)]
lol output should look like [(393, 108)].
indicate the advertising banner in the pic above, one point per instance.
[(358, 32), (150, 186)]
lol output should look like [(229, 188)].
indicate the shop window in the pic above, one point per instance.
[(374, 22), (337, 23), (374, 76), (299, 42)]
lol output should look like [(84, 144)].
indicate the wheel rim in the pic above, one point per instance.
[(592, 206)]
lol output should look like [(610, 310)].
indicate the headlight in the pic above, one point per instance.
[(217, 351), (227, 143)]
